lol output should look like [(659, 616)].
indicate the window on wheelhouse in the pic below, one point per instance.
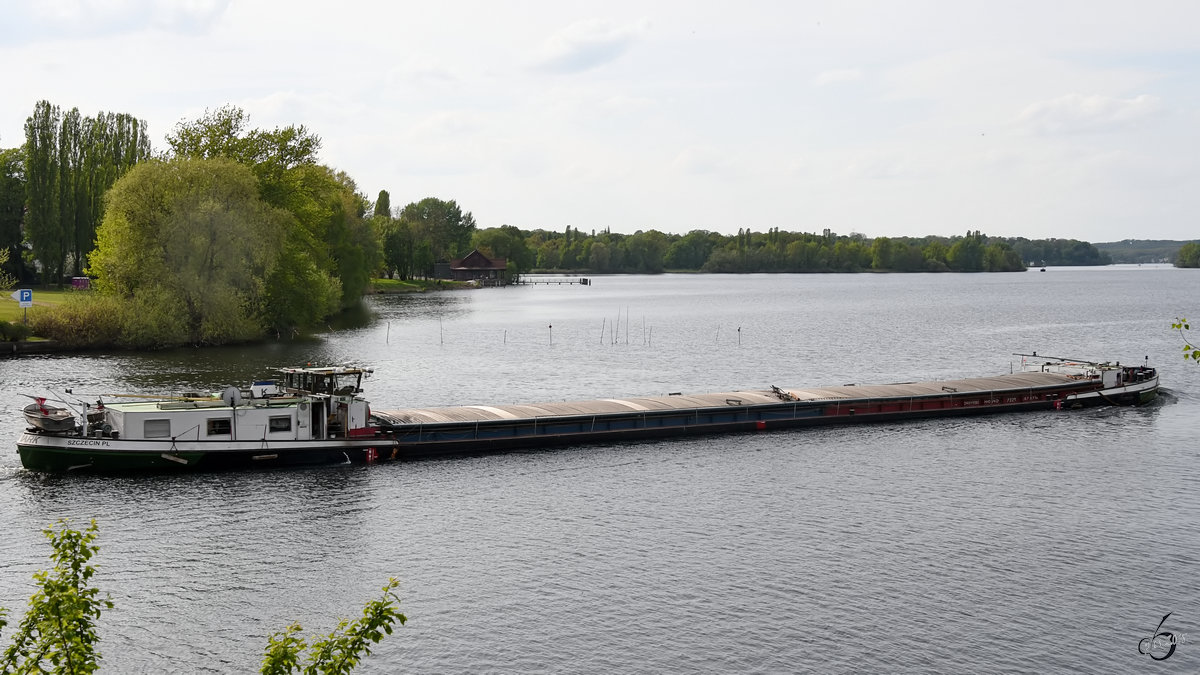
[(156, 429), (279, 424), (219, 426)]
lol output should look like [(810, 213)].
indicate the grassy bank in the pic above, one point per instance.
[(90, 325), (413, 285), (10, 310)]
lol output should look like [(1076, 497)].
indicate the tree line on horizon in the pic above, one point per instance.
[(236, 233), (774, 251)]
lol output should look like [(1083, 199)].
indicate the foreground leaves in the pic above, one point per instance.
[(58, 632), (1190, 351), (57, 635), (341, 650)]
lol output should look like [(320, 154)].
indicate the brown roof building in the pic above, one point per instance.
[(477, 266)]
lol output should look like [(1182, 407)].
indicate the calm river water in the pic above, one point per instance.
[(1041, 542)]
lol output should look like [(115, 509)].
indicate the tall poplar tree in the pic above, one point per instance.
[(70, 162), (72, 190), (113, 144), (12, 207), (42, 224), (383, 205)]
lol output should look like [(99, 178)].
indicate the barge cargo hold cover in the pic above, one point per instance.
[(478, 428)]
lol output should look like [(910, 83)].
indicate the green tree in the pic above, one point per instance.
[(70, 161), (383, 205), (723, 260), (966, 254), (935, 253), (12, 208), (506, 242), (691, 251), (881, 254), (330, 248), (441, 224), (353, 248), (908, 257), (72, 205), (218, 133), (423, 259), (397, 248), (549, 255), (599, 257), (191, 240), (113, 143), (1000, 257), (7, 281), (645, 252), (1189, 255), (42, 224), (58, 632)]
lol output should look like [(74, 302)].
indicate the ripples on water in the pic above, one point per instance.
[(1038, 542)]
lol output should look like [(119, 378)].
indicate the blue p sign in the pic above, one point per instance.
[(26, 298)]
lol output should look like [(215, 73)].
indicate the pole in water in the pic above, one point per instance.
[(603, 323), (739, 336), (505, 336), (551, 327), (388, 338)]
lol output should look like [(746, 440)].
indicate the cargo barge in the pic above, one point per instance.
[(317, 415)]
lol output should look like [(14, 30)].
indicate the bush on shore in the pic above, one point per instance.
[(84, 321), (14, 331)]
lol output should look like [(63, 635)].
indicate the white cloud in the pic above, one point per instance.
[(702, 160), (1075, 113), (889, 165), (838, 76), (421, 69), (104, 17), (448, 124), (585, 45)]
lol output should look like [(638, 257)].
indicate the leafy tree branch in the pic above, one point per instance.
[(340, 651), (1190, 351)]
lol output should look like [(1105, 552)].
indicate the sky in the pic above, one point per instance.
[(1069, 119)]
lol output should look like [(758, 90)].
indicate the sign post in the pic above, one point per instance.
[(24, 296)]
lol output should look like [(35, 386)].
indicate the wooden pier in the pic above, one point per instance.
[(526, 280)]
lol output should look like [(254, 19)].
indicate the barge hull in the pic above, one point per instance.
[(464, 430)]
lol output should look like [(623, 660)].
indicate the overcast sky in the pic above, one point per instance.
[(1037, 119)]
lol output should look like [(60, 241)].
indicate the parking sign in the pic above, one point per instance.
[(26, 297)]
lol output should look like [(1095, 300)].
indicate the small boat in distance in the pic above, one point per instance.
[(318, 416)]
